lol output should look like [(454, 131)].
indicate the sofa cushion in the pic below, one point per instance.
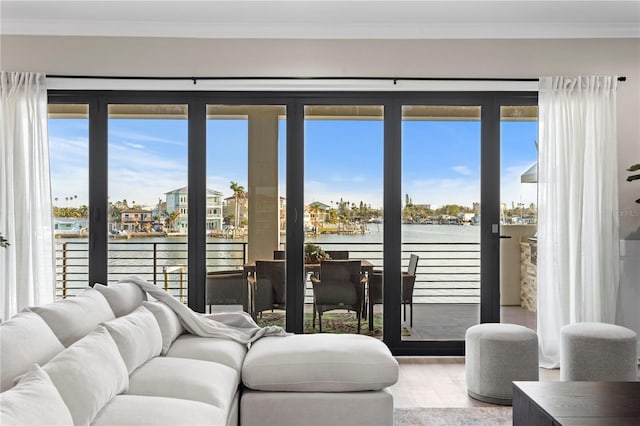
[(25, 340), (126, 410), (137, 335), (203, 381), (319, 363), (88, 374), (33, 401), (75, 317), (122, 297), (223, 351), (170, 325)]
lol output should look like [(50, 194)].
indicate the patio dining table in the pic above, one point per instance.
[(366, 266)]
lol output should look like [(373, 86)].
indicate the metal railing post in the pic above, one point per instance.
[(155, 262), (182, 284), (166, 278), (244, 253), (64, 270)]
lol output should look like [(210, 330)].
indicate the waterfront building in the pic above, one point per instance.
[(315, 215), (230, 211), (64, 226), (178, 201), (135, 220)]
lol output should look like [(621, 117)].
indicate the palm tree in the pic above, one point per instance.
[(238, 193), (315, 208), (173, 216)]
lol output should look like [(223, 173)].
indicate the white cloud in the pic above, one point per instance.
[(326, 192), (348, 179), (512, 190), (134, 145), (439, 191), (143, 137), (463, 170)]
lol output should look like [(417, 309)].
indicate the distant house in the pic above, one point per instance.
[(466, 217), (178, 200), (135, 220), (242, 211), (69, 226), (316, 214)]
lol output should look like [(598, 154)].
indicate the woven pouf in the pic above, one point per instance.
[(597, 351), (496, 355)]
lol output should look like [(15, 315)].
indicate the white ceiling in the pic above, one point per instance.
[(349, 19)]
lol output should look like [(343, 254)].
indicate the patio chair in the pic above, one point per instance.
[(408, 281), (268, 286), (340, 287), (227, 288), (338, 254)]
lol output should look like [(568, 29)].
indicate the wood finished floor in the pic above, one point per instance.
[(439, 382)]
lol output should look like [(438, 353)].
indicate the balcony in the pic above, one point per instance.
[(447, 273)]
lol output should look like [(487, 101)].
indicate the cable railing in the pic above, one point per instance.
[(446, 273)]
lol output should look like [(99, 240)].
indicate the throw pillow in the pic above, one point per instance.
[(25, 340), (122, 297), (88, 374), (75, 317), (170, 325), (138, 337), (33, 401)]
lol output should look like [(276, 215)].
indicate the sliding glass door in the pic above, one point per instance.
[(69, 153), (518, 212), (183, 186), (343, 195), (246, 217), (148, 195), (440, 255)]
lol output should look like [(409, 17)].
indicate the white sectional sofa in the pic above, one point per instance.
[(111, 357)]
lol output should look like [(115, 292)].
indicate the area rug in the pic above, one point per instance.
[(332, 322), (472, 416)]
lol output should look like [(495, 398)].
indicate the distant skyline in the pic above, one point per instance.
[(343, 159)]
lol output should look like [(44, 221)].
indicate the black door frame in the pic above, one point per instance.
[(392, 102)]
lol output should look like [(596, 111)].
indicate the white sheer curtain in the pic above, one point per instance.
[(578, 247), (27, 271)]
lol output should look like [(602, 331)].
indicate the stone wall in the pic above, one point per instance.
[(528, 276)]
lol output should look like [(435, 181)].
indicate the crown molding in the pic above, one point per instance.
[(327, 19), (319, 31)]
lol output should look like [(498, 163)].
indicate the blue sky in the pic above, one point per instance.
[(343, 159)]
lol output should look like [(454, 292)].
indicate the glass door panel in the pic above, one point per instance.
[(148, 195), (343, 199), (246, 210), (518, 213), (440, 256), (69, 151)]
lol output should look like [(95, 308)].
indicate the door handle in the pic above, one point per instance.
[(505, 236)]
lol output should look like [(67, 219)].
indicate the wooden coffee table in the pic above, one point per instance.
[(576, 403)]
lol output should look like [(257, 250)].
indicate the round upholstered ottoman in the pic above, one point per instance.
[(496, 355), (597, 351)]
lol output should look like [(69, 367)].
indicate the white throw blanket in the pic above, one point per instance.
[(238, 326)]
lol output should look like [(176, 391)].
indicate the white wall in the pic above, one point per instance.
[(424, 58), (462, 58)]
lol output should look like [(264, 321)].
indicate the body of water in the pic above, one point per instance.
[(449, 255)]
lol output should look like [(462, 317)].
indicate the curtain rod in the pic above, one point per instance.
[(393, 79)]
